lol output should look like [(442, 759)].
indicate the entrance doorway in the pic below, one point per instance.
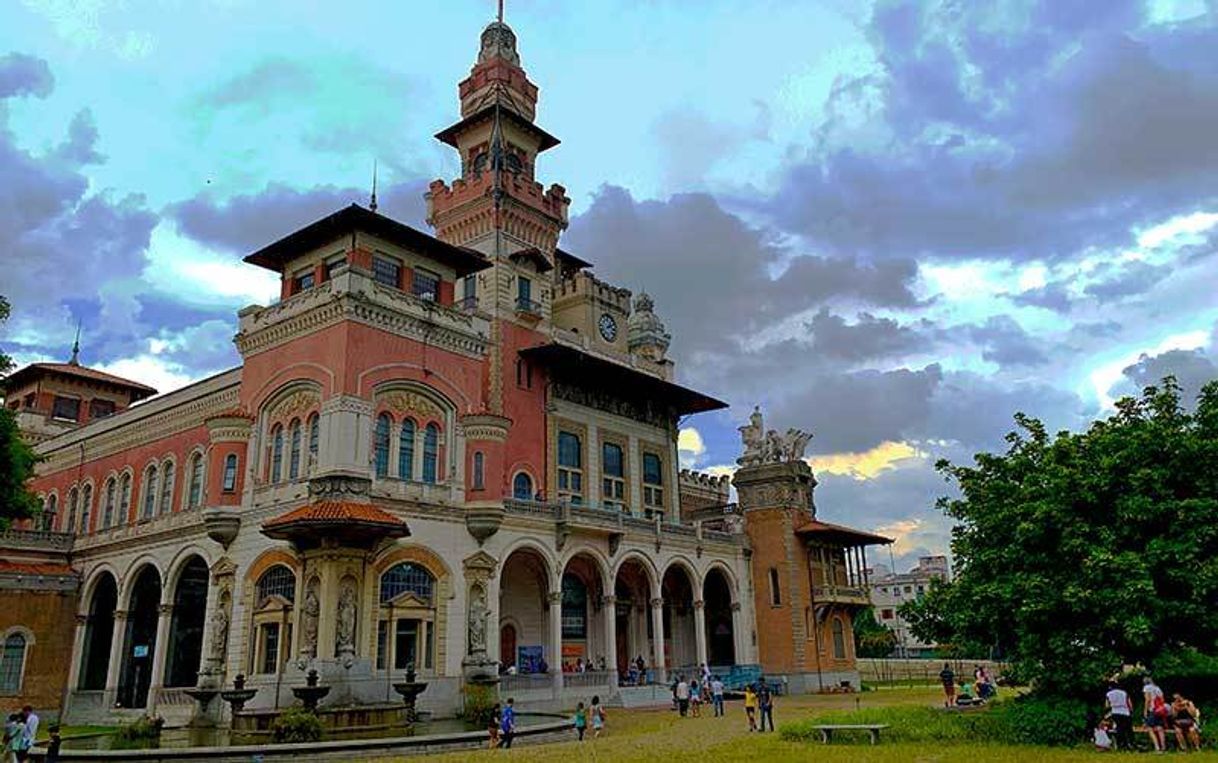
[(507, 645), (140, 643)]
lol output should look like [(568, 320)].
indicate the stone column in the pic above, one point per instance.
[(118, 635), (78, 651), (657, 632), (741, 640), (609, 610), (700, 631), (157, 679), (555, 660)]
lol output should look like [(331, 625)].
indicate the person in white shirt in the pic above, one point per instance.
[(683, 696), (1155, 708), (717, 695), (1121, 708), (28, 734)]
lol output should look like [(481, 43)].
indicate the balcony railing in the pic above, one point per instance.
[(841, 594), (36, 540), (467, 304), (525, 306)]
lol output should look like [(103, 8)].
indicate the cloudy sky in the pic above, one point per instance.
[(894, 224)]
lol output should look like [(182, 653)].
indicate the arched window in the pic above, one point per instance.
[(479, 470), (277, 453), (522, 487), (49, 511), (381, 444), (294, 454), (775, 590), (406, 450), (277, 581), (194, 496), (149, 492), (314, 438), (839, 639), (86, 506), (12, 663), (431, 448), (230, 473), (73, 499), (407, 576), (124, 498), (166, 487), (111, 495)]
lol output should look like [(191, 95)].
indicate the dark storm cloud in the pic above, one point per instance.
[(977, 411), (53, 231), (1128, 279), (1003, 341), (1053, 296), (245, 223), (1192, 369), (710, 271), (867, 338), (1014, 131)]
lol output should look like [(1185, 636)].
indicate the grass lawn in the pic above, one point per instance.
[(659, 735)]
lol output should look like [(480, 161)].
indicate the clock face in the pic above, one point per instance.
[(608, 327)]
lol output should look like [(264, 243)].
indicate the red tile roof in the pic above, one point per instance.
[(82, 372), (841, 533), (34, 568), (328, 512)]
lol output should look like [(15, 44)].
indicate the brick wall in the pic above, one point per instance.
[(50, 617)]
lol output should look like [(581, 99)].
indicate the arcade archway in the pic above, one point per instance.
[(139, 644), (99, 633), (186, 628), (720, 634)]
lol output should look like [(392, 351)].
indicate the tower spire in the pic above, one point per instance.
[(372, 201), (500, 11), (75, 359)]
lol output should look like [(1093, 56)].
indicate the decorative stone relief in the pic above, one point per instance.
[(654, 415), (220, 620), (339, 487), (478, 614), (344, 637), (295, 404), (402, 402), (308, 623)]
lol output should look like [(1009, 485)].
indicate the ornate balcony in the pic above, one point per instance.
[(834, 594)]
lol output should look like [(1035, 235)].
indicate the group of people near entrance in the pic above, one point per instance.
[(980, 691), (688, 697), (20, 731), (1179, 716)]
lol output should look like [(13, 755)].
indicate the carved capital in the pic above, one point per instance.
[(657, 603), (554, 598), (165, 610), (82, 619), (120, 615), (608, 601), (699, 604), (735, 606)]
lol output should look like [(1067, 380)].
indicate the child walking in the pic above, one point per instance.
[(580, 720), (597, 711), (750, 707)]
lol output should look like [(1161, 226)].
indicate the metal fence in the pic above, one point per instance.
[(922, 672)]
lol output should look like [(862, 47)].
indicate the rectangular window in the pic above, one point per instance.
[(469, 287), (405, 643), (653, 482), (775, 593), (270, 647), (303, 281), (382, 634), (28, 402), (386, 271), (66, 408), (429, 648), (613, 476), (100, 409), (524, 290), (886, 614), (479, 470), (426, 285), (335, 265), (570, 468)]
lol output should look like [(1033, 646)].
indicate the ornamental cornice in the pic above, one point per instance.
[(347, 404), (386, 309), (402, 402), (485, 426), (140, 431)]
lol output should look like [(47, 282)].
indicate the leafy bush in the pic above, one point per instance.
[(1025, 720), (141, 734), (478, 706), (296, 724)]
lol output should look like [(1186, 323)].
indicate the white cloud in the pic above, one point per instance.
[(163, 375), (867, 464), (690, 446)]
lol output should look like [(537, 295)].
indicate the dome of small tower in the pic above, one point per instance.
[(498, 41), (645, 334)]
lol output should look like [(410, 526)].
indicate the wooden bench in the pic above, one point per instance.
[(826, 731)]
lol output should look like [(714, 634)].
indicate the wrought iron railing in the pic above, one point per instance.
[(36, 539), (528, 307)]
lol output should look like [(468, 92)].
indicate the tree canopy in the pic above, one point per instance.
[(1078, 553), (17, 459), (872, 639)]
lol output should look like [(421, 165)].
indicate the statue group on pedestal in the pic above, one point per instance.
[(770, 447)]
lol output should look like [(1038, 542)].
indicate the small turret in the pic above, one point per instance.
[(645, 332)]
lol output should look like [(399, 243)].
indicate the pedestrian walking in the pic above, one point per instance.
[(597, 711), (682, 694), (949, 685), (580, 721), (507, 726), (750, 707), (765, 702), (492, 729), (1154, 705)]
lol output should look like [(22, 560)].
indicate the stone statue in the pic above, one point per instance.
[(477, 621), (219, 632), (763, 446), (345, 637), (308, 623)]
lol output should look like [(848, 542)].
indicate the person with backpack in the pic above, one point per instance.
[(1155, 707)]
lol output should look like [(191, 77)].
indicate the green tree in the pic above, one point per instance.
[(871, 639), (17, 459), (1078, 553)]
